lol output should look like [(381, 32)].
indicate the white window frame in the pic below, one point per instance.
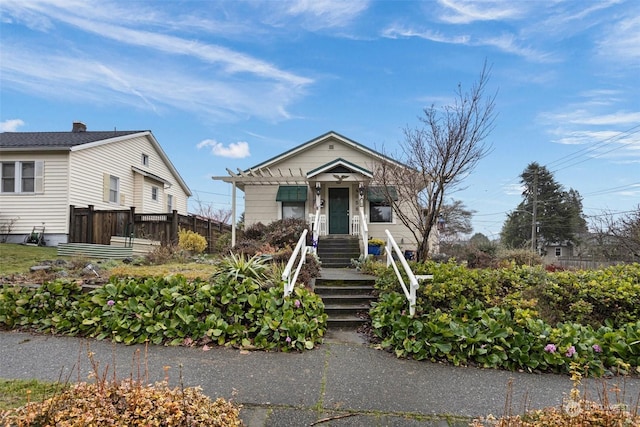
[(114, 189), (18, 179), (154, 193), (371, 221), (145, 159), (284, 205), (169, 202), (558, 251)]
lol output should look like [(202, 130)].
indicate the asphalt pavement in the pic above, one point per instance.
[(343, 382)]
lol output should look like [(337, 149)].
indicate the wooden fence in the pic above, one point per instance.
[(87, 225)]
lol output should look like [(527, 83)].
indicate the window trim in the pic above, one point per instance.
[(380, 204), (115, 192), (145, 159), (18, 176), (154, 193), (169, 202), (284, 205)]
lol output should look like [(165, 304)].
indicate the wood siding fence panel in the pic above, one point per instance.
[(87, 225)]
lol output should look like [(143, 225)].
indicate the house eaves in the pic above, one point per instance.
[(339, 162), (331, 134), (151, 176)]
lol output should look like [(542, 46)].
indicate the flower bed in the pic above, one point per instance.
[(508, 318)]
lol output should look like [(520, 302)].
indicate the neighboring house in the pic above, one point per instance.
[(43, 173), (330, 177)]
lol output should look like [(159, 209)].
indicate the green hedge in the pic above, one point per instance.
[(171, 310), (504, 318)]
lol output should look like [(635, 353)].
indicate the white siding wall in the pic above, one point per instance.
[(322, 154), (89, 165), (260, 204), (50, 207)]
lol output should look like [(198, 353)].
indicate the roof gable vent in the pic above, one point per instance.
[(79, 127)]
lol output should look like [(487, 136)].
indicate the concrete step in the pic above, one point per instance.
[(343, 290), (345, 322)]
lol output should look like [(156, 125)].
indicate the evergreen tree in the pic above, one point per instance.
[(557, 213)]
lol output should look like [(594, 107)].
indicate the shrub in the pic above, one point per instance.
[(232, 308), (459, 310), (125, 403), (255, 232), (519, 257), (191, 241)]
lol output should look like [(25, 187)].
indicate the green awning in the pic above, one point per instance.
[(378, 194), (292, 193)]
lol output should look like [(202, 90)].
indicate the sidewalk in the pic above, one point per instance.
[(341, 377)]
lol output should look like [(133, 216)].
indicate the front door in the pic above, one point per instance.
[(338, 211)]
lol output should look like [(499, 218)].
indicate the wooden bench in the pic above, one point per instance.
[(89, 250)]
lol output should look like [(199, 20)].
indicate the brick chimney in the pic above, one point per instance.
[(79, 127)]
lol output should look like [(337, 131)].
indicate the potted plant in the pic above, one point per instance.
[(374, 246)]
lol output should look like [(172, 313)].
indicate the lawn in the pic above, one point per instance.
[(17, 259), (16, 393)]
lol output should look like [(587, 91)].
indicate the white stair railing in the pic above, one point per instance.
[(365, 232), (316, 230), (410, 293), (301, 248)]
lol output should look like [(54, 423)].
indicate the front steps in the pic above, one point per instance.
[(346, 300), (337, 251)]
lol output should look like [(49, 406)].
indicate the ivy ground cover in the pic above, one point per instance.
[(235, 311), (516, 317)]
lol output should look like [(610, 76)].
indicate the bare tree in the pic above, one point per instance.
[(439, 154), (616, 237), (208, 211)]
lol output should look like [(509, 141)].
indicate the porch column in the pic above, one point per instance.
[(233, 214)]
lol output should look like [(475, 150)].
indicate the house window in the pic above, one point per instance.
[(380, 212), (293, 210), (8, 177), (169, 203), (293, 199), (154, 193), (380, 209), (21, 177), (114, 189), (145, 160), (558, 251)]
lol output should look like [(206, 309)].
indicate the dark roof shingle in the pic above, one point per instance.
[(57, 139)]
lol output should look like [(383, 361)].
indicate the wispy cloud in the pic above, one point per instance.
[(79, 74), (235, 150), (507, 43), (318, 14), (620, 43), (11, 125), (468, 11)]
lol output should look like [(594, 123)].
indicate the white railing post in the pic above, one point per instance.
[(301, 247), (392, 247), (316, 231), (365, 232)]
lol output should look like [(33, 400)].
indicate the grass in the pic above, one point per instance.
[(17, 258), (16, 393)]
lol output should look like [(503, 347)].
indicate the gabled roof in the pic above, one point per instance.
[(331, 134), (56, 140), (72, 141), (339, 162)]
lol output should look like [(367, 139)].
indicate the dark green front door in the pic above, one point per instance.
[(338, 211)]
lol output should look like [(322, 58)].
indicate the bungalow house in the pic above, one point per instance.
[(329, 181), (43, 173)]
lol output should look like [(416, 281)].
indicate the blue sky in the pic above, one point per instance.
[(229, 84)]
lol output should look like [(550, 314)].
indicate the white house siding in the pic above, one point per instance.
[(50, 206), (260, 204), (321, 154), (88, 166)]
